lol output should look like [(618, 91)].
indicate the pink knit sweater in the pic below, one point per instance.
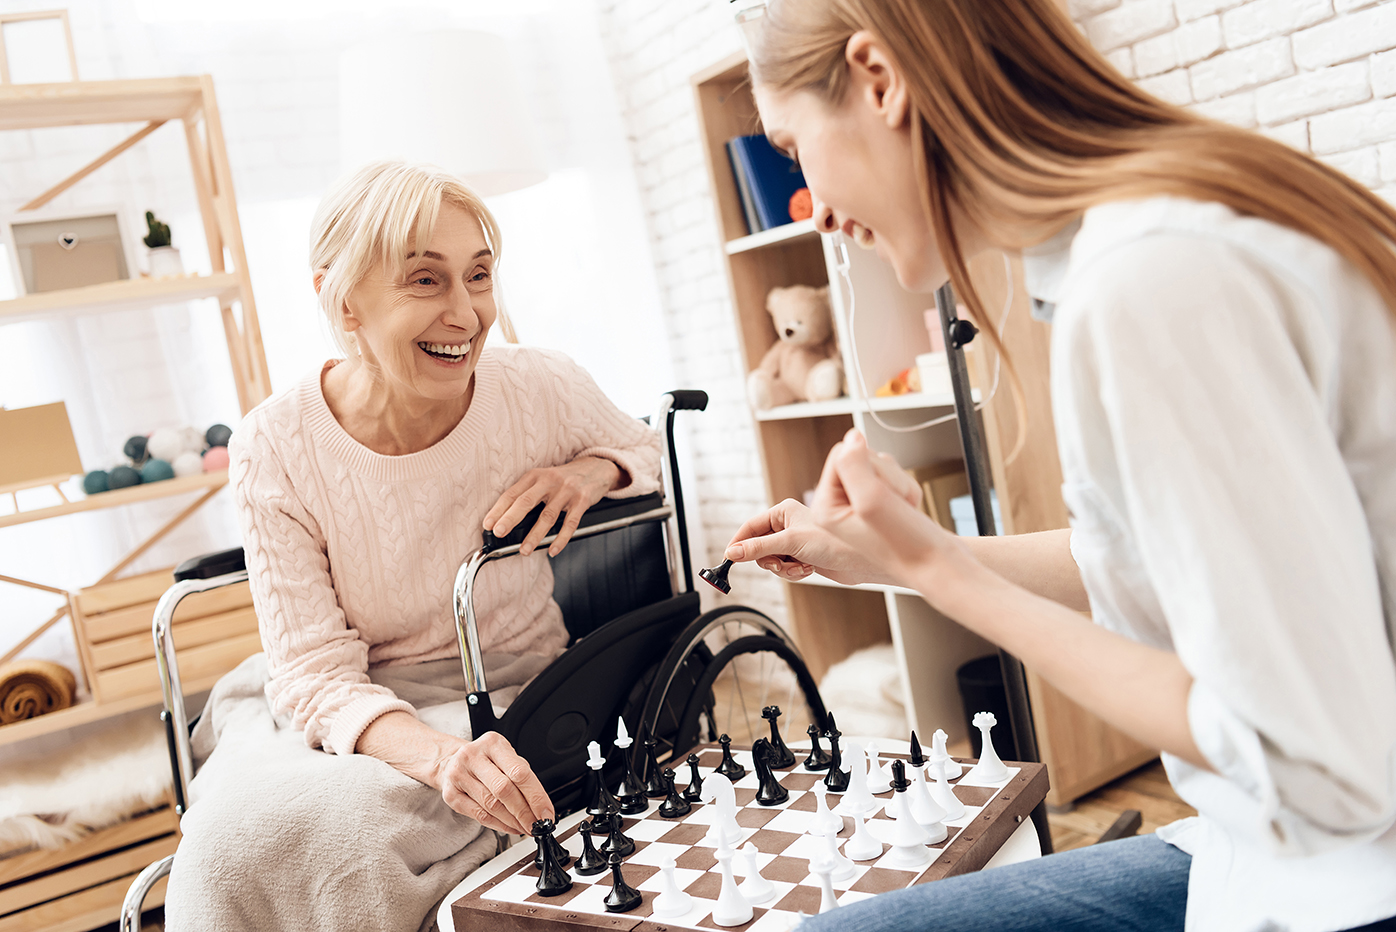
[(352, 554)]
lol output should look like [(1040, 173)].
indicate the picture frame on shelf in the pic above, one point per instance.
[(58, 250), (36, 47)]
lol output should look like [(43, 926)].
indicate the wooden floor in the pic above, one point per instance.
[(1146, 789)]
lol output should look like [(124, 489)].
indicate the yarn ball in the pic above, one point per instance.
[(801, 205), (156, 471), (188, 464), (122, 476), (218, 434), (165, 444), (193, 440), (135, 449), (215, 458), (95, 481)]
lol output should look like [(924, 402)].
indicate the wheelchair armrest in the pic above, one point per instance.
[(608, 509), (211, 564)]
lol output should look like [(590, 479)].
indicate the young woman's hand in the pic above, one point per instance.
[(572, 488), (488, 781), (872, 507)]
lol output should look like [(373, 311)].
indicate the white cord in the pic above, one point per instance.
[(843, 264)]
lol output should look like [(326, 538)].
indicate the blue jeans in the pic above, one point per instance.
[(1135, 884)]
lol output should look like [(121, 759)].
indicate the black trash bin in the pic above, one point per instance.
[(981, 690)]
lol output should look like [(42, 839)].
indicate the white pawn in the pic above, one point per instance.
[(990, 768), (927, 813), (862, 846), (939, 753), (841, 868), (943, 795), (824, 821), (755, 888), (671, 902), (827, 899), (731, 909), (857, 798), (879, 780)]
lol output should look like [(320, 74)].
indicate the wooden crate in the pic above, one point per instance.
[(80, 886), (213, 632)]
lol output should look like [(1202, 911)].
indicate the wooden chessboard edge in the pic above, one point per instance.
[(1000, 819)]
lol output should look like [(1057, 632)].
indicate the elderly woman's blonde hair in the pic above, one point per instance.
[(372, 218)]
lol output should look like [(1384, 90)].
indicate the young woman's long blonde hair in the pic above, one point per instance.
[(1020, 123)]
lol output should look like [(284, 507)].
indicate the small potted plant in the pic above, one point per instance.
[(164, 258)]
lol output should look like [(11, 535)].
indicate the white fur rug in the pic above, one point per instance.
[(864, 691), (115, 774)]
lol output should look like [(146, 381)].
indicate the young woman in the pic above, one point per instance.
[(342, 788), (1224, 392)]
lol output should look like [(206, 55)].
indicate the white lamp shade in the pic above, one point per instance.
[(450, 98)]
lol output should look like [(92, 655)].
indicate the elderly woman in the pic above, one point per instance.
[(341, 787)]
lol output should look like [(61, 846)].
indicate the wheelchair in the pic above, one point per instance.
[(640, 649)]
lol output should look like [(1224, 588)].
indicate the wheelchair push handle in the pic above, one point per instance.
[(689, 399)]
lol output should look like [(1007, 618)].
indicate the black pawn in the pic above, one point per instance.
[(550, 841), (818, 757), (717, 577), (899, 781), (552, 879), (623, 897), (836, 780), (729, 768), (781, 756), (590, 862), (630, 795), (654, 780), (769, 792), (674, 805), (694, 791), (617, 842), (916, 758)]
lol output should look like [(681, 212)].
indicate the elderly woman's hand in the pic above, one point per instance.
[(488, 781), (572, 488)]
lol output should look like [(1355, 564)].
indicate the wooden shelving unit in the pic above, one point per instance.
[(81, 886), (831, 621)]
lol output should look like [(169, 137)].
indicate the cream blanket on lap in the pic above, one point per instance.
[(282, 836)]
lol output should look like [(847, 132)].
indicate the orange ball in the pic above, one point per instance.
[(215, 458), (801, 205)]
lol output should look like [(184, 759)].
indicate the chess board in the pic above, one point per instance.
[(509, 900)]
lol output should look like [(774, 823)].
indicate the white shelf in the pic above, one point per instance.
[(781, 234), (126, 295), (911, 402)]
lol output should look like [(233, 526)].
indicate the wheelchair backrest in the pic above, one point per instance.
[(599, 578)]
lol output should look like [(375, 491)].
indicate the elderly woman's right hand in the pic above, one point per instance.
[(488, 781)]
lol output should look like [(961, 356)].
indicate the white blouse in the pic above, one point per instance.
[(1224, 391)]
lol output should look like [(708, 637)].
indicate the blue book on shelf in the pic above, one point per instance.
[(771, 177), (753, 222)]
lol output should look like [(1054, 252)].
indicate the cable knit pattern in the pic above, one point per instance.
[(353, 554)]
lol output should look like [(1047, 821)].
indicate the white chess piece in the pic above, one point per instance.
[(718, 790), (939, 753), (755, 888), (879, 780), (856, 798), (841, 868), (925, 810), (943, 795), (731, 909), (671, 903), (862, 846), (907, 838), (827, 899), (623, 739), (990, 768), (824, 821)]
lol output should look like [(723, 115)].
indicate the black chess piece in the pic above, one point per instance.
[(674, 805), (552, 879), (916, 758), (630, 795), (818, 757), (717, 577), (654, 780), (617, 842), (781, 756), (590, 861), (550, 841), (694, 791), (602, 802), (769, 792), (900, 783), (729, 768), (836, 780), (623, 897)]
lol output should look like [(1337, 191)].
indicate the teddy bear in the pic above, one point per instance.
[(803, 364)]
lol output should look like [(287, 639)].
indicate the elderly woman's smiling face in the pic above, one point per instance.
[(423, 331)]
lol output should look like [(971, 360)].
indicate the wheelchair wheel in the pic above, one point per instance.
[(721, 672)]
